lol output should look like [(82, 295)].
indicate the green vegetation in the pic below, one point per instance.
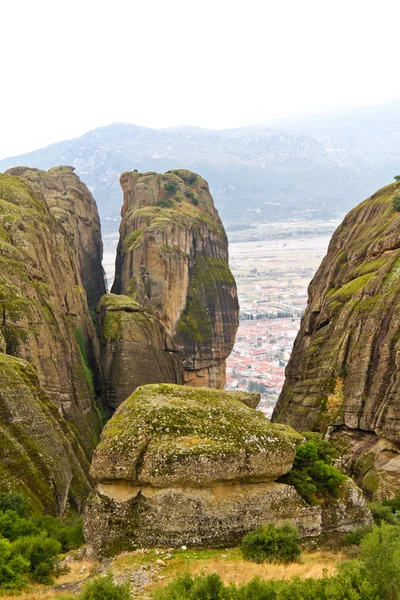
[(104, 588), (171, 187), (373, 575), (272, 544), (396, 177), (396, 203), (313, 474), (29, 545), (256, 386)]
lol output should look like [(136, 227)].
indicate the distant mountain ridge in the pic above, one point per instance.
[(306, 169)]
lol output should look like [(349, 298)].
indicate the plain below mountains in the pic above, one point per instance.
[(301, 169)]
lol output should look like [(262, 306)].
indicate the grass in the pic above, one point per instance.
[(228, 563)]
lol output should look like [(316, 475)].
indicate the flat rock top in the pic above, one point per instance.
[(166, 435)]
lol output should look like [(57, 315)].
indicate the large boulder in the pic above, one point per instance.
[(172, 257), (135, 349), (178, 465)]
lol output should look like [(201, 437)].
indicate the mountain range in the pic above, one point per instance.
[(298, 169)]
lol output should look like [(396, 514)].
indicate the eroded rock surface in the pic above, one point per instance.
[(344, 371), (177, 466), (173, 258), (46, 321), (135, 349)]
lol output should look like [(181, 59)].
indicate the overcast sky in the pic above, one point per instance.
[(70, 66)]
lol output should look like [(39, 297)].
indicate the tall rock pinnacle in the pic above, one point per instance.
[(172, 258)]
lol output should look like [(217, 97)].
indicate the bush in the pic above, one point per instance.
[(15, 502), (396, 203), (171, 187), (355, 537), (164, 203), (13, 568), (394, 504), (41, 554), (313, 474), (104, 588), (396, 177), (68, 532), (383, 514), (271, 544)]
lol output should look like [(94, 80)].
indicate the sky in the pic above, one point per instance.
[(68, 67)]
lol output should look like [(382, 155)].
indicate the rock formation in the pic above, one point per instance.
[(172, 258), (135, 349), (46, 322), (179, 465), (344, 372)]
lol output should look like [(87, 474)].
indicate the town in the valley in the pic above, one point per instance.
[(272, 278)]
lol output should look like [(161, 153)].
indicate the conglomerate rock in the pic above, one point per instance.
[(135, 349), (46, 321), (344, 372), (194, 466), (172, 258)]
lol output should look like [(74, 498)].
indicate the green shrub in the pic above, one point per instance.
[(15, 502), (383, 514), (271, 544), (394, 504), (104, 588), (68, 532), (355, 537), (171, 187), (396, 177), (313, 474), (41, 554), (13, 568), (396, 203), (164, 203), (380, 556), (12, 526)]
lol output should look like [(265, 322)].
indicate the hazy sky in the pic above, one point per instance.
[(70, 66)]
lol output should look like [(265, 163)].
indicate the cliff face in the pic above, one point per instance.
[(173, 259), (345, 367), (45, 320)]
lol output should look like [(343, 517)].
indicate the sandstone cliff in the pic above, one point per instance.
[(178, 465), (45, 320), (344, 371), (172, 258)]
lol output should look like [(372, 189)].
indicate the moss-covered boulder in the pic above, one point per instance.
[(344, 372), (135, 349), (172, 257), (167, 435), (178, 465)]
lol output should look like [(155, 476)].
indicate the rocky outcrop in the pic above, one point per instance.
[(197, 467), (72, 204), (135, 349), (344, 372), (45, 320), (172, 258)]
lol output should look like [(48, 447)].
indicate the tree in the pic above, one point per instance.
[(397, 177)]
